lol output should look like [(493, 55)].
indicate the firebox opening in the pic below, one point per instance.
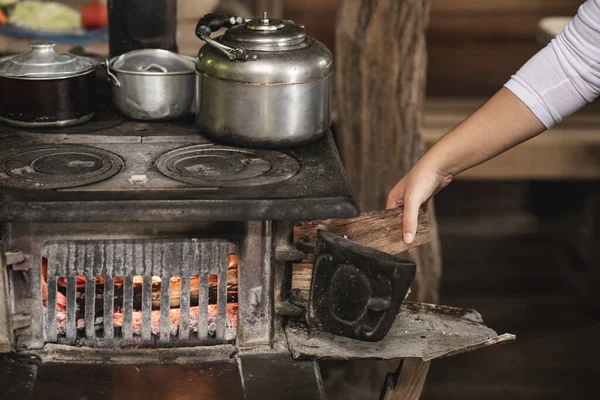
[(183, 292)]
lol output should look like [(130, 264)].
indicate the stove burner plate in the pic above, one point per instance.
[(56, 166), (222, 166)]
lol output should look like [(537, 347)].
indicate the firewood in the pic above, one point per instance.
[(381, 230)]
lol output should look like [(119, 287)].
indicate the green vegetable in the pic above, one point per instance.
[(45, 16), (6, 3)]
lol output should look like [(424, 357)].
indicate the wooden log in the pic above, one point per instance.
[(381, 63), (381, 230)]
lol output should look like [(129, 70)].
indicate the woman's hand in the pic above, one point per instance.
[(416, 188), (501, 123)]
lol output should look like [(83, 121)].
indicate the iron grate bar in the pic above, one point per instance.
[(222, 296), (51, 328), (128, 308), (184, 308), (147, 308), (165, 306), (109, 303), (163, 258), (90, 306), (203, 308), (71, 328)]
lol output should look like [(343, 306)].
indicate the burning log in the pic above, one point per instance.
[(174, 318)]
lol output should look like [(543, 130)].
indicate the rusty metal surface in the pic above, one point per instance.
[(64, 354), (422, 331), (319, 189), (164, 258), (255, 324), (219, 380), (278, 376)]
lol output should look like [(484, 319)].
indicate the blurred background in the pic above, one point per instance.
[(520, 234)]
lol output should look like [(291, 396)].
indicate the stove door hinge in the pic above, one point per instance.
[(288, 252), (20, 323), (17, 259)]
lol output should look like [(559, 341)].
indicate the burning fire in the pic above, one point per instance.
[(174, 300)]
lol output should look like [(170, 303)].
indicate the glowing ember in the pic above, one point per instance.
[(174, 317), (174, 301)]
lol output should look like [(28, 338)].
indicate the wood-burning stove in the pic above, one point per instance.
[(112, 206)]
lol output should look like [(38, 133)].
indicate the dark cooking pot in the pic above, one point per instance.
[(46, 88)]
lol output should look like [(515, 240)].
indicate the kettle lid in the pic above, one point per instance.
[(267, 34)]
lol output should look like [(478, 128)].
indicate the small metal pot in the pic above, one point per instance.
[(153, 84), (264, 83), (46, 88)]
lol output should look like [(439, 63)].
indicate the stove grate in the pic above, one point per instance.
[(127, 260)]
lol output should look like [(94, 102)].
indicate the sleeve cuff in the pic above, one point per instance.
[(530, 99)]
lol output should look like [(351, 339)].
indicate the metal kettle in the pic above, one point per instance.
[(264, 83)]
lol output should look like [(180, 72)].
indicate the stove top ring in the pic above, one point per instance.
[(223, 166), (56, 166)]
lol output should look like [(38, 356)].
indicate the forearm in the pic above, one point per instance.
[(501, 123)]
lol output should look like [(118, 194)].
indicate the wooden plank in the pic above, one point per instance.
[(486, 27), (516, 6), (411, 380), (571, 150)]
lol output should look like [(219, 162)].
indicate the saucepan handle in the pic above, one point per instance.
[(213, 22), (111, 77)]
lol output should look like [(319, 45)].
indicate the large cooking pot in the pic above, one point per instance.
[(264, 83), (47, 88), (153, 84)]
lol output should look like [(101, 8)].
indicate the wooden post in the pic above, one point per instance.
[(381, 60), (273, 7), (409, 380)]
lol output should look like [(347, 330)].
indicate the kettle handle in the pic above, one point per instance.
[(215, 21)]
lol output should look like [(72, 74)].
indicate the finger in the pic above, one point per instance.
[(410, 217), (394, 199)]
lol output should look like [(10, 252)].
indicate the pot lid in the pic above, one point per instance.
[(267, 34), (44, 62), (153, 62)]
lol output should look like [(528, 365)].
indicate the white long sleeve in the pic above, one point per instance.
[(565, 75)]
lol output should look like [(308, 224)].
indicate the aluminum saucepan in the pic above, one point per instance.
[(153, 84), (46, 88)]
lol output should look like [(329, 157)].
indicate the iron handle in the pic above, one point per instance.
[(213, 22), (111, 77)]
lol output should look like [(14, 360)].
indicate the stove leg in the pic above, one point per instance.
[(407, 382), (279, 376)]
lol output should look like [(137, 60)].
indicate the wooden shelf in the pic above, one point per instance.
[(570, 151)]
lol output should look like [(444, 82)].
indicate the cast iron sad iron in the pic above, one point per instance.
[(356, 291)]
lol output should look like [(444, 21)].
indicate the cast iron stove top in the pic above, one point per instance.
[(115, 169)]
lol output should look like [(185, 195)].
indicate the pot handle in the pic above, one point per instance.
[(215, 21), (111, 77)]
